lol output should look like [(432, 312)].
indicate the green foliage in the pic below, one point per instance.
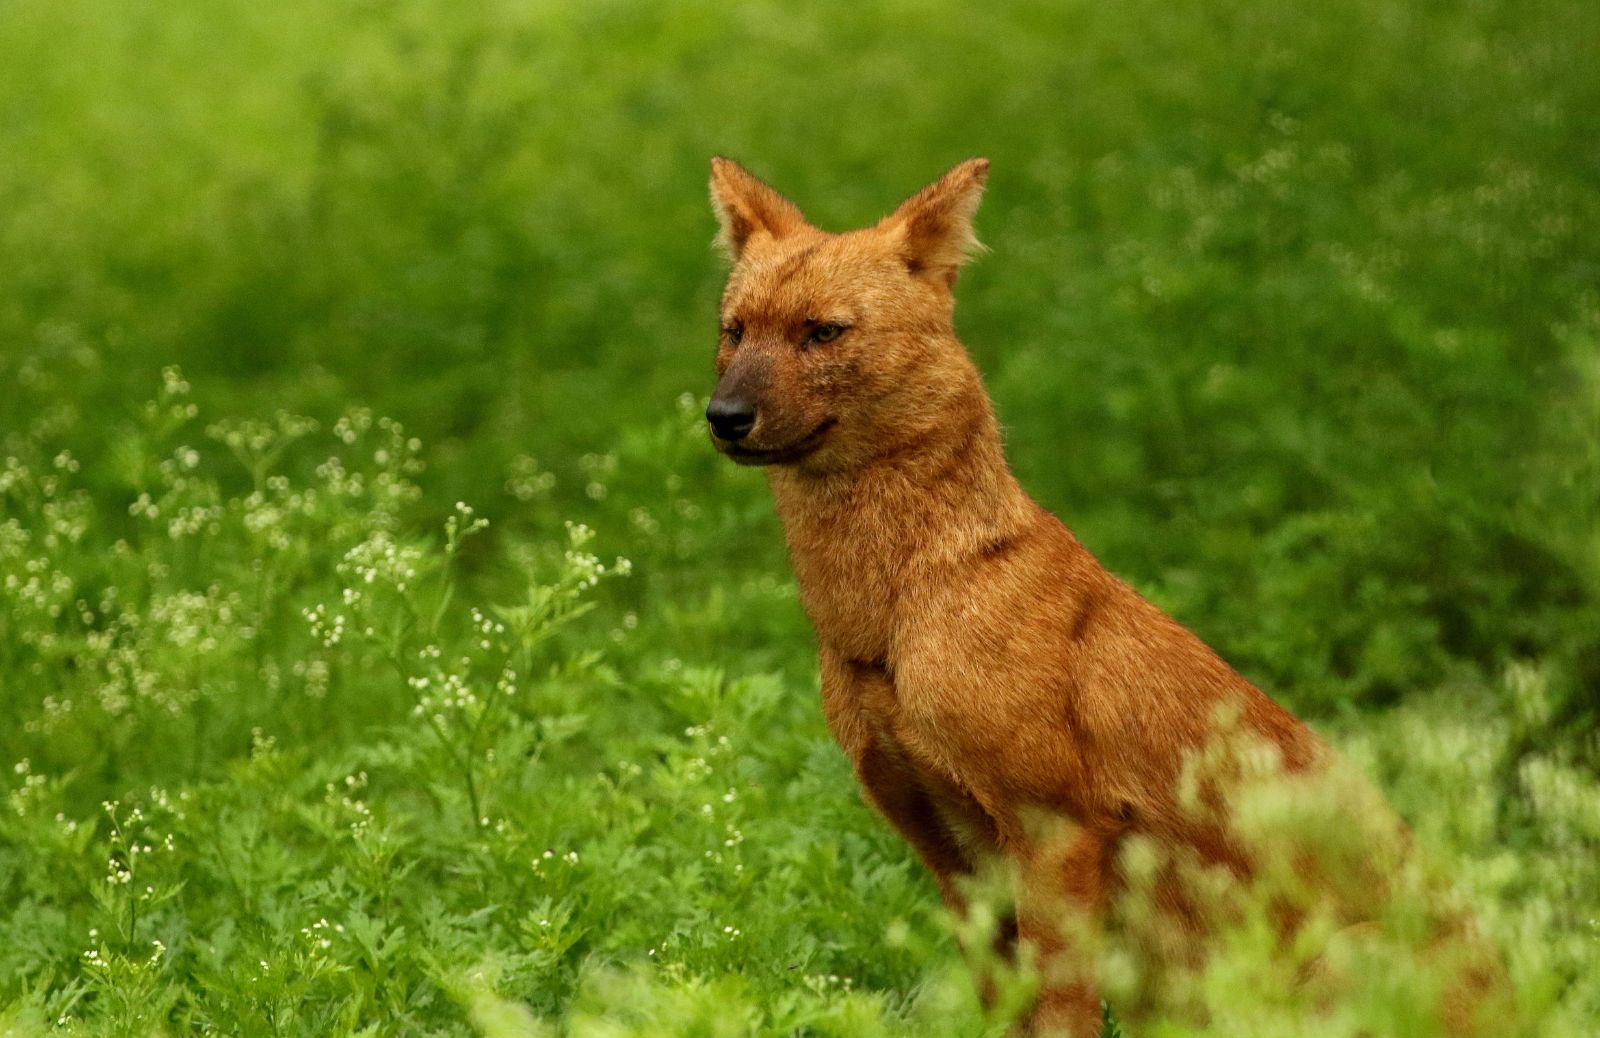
[(339, 791), (1292, 314)]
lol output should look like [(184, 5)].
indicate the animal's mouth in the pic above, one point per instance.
[(784, 455)]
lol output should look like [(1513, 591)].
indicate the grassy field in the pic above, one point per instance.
[(383, 649)]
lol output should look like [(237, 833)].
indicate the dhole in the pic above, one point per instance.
[(984, 674)]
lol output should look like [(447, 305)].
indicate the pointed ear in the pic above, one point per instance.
[(746, 207), (933, 228)]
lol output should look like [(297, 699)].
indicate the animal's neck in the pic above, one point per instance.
[(943, 494)]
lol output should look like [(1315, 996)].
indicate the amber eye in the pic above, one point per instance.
[(824, 333), (734, 332)]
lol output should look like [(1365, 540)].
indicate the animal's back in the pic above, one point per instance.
[(1062, 687)]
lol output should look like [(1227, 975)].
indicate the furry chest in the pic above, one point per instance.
[(851, 610)]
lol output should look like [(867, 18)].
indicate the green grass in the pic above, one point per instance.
[(1293, 314)]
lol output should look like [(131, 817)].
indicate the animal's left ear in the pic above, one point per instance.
[(933, 228), (747, 208)]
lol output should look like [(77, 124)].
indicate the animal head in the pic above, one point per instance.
[(836, 349)]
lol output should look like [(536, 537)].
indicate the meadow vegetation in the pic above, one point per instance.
[(384, 650)]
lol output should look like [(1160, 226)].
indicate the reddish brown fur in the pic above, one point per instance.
[(979, 667)]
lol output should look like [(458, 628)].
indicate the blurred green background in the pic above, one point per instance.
[(1292, 313)]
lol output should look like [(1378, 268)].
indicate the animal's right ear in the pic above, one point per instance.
[(933, 228), (746, 208)]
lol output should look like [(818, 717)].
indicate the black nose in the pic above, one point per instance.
[(731, 419)]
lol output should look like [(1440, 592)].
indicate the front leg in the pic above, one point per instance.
[(1064, 881), (859, 703)]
